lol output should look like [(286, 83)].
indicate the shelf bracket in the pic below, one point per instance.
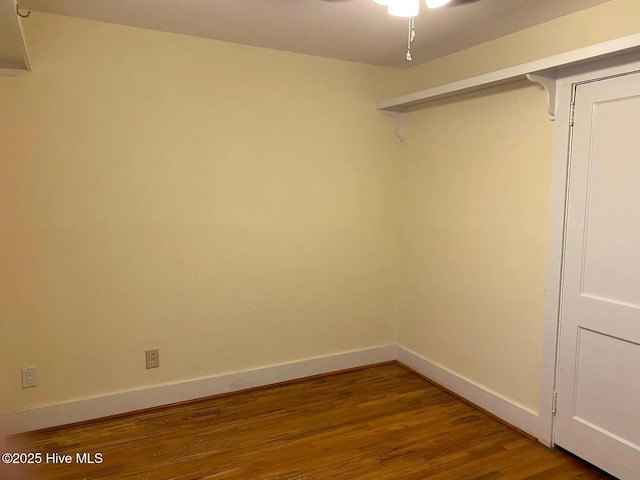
[(398, 121), (546, 80)]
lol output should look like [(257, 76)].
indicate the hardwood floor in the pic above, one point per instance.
[(377, 423)]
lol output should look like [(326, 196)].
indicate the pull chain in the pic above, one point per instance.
[(411, 37)]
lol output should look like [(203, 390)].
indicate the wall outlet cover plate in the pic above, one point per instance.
[(152, 358)]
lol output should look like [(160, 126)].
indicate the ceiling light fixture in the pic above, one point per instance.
[(409, 9), (436, 3), (404, 8)]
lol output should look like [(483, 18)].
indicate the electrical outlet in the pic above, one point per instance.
[(29, 377), (153, 358)]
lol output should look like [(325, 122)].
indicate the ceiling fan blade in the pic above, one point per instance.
[(460, 3)]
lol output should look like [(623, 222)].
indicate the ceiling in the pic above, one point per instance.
[(355, 30)]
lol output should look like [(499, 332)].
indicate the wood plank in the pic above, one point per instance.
[(382, 423)]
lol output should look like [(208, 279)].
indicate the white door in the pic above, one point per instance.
[(598, 381)]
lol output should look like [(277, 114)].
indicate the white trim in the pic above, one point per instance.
[(566, 79), (554, 265), (123, 402), (509, 411)]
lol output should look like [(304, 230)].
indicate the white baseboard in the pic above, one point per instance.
[(510, 412), (97, 407)]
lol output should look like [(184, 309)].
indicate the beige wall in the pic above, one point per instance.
[(473, 246), (476, 188), (235, 207), (239, 207)]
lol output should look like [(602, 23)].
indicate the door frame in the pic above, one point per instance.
[(566, 81)]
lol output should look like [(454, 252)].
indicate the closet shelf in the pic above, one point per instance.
[(543, 72)]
